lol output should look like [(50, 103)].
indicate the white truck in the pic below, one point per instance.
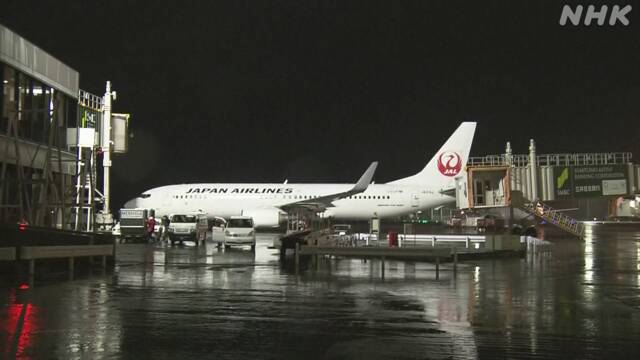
[(133, 224), (187, 227)]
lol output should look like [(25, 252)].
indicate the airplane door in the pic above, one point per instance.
[(415, 199)]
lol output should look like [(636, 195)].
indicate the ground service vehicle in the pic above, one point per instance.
[(133, 224), (187, 227), (341, 229), (240, 230)]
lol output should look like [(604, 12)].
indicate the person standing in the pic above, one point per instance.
[(165, 227), (151, 227)]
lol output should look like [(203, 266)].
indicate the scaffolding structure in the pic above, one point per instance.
[(98, 131), (34, 180), (86, 134)]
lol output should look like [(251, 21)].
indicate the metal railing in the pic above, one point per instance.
[(489, 160), (561, 159), (555, 217), (615, 158), (414, 240), (89, 100), (433, 240)]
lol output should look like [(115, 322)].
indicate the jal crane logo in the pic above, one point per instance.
[(449, 163)]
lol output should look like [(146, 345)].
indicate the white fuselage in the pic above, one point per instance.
[(225, 200)]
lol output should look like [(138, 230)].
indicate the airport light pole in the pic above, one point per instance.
[(533, 167), (106, 147)]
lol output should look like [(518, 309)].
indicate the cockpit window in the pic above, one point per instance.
[(144, 196)]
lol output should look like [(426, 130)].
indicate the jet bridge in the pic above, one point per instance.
[(517, 187)]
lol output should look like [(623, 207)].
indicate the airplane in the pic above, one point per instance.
[(269, 203)]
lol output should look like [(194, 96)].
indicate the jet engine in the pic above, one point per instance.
[(266, 217)]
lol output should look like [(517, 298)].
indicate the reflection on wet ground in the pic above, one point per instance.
[(569, 299)]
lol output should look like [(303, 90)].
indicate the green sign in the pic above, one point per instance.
[(590, 180), (562, 182), (88, 117)]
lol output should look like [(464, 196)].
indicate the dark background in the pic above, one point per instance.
[(263, 91)]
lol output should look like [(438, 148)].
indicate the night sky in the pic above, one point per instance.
[(263, 91)]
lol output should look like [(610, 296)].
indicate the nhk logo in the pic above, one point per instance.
[(616, 15), (449, 163)]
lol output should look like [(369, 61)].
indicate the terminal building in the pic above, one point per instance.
[(38, 102)]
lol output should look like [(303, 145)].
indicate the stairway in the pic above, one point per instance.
[(84, 200), (555, 217)]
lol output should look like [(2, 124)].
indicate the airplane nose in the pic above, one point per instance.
[(131, 204)]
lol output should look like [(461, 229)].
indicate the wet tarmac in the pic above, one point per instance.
[(566, 299)]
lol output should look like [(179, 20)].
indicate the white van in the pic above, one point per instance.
[(189, 227), (240, 231)]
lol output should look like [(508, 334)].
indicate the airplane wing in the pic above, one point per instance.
[(321, 203)]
